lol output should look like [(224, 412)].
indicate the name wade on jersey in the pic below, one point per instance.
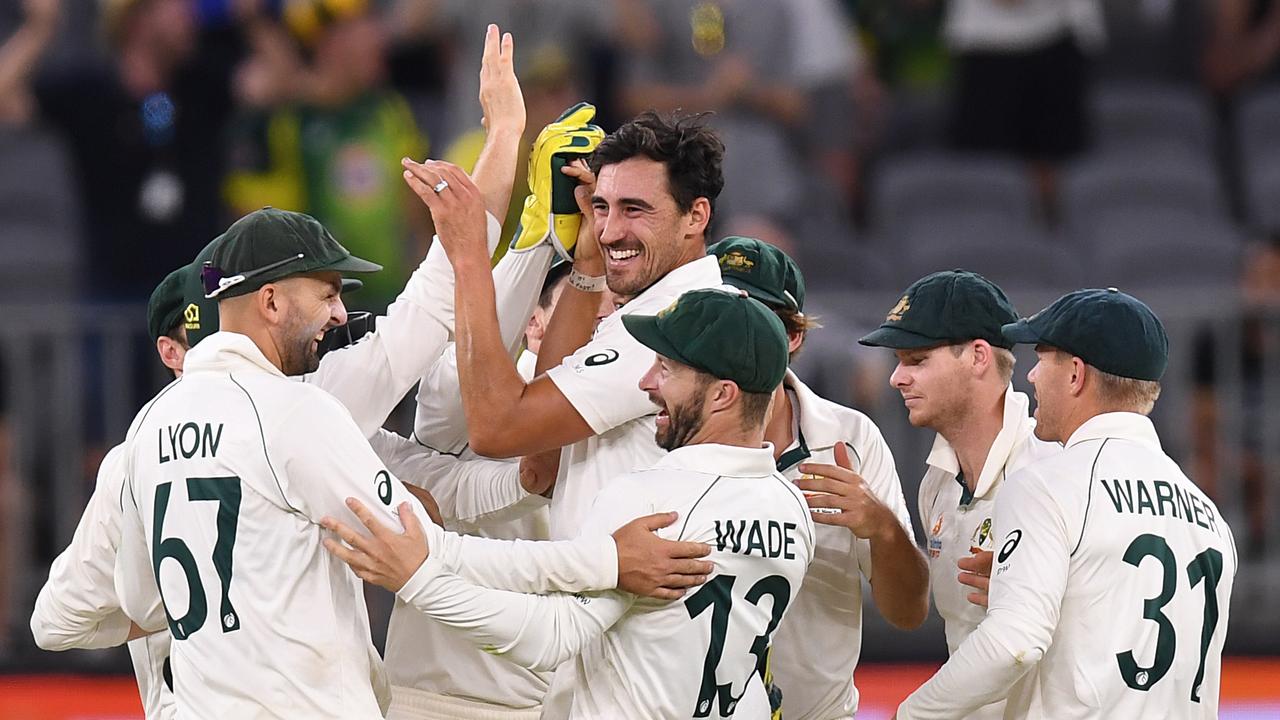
[(186, 440), (770, 539), (1136, 497)]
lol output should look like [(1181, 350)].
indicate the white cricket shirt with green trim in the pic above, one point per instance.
[(1110, 590)]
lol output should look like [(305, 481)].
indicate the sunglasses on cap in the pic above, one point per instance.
[(216, 281)]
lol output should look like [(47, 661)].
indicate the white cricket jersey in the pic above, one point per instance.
[(602, 382), (958, 523), (1109, 593), (227, 474), (78, 606), (825, 621), (477, 496), (644, 658)]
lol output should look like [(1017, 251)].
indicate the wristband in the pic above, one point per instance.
[(586, 283)]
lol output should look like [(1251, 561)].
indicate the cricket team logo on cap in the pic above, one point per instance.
[(191, 316), (899, 310), (668, 309), (735, 260)]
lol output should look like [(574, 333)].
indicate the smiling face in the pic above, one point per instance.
[(642, 231), (934, 384), (313, 305), (680, 392)]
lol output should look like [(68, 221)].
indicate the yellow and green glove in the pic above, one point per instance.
[(551, 212)]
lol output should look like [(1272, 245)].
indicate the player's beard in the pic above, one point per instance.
[(684, 421), (298, 353)]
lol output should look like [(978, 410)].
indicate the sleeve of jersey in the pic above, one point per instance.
[(440, 422), (323, 447), (466, 490), (1027, 585), (536, 631), (78, 606), (135, 582), (601, 380), (371, 376)]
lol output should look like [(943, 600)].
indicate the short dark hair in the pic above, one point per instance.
[(691, 151), (755, 406), (556, 275)]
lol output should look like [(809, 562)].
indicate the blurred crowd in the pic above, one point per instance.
[(138, 129), (179, 115)]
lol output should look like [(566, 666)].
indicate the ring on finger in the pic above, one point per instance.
[(440, 186)]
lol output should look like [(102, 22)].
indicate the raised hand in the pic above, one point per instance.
[(500, 95), (456, 204)]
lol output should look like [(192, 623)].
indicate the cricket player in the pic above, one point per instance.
[(78, 607), (227, 472), (720, 356), (658, 179), (1113, 577), (863, 529), (954, 371)]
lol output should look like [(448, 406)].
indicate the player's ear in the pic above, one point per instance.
[(1077, 381), (983, 357), (699, 216), (724, 395), (269, 301)]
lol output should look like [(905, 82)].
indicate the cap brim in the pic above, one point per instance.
[(1020, 333), (758, 293), (644, 328), (351, 285), (898, 339), (351, 263)]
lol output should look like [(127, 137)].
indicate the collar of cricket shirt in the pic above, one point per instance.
[(227, 351), (1017, 425), (820, 427), (700, 274), (716, 459), (1122, 425)]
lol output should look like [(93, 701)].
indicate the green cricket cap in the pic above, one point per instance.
[(269, 244), (199, 314), (1108, 329), (765, 272), (164, 308), (945, 307), (730, 336)]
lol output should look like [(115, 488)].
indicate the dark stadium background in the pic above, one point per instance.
[(1172, 194)]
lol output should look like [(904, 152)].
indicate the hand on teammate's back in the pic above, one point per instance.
[(838, 487), (457, 207), (386, 558), (649, 565), (976, 573)]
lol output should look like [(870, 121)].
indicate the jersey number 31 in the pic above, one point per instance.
[(1205, 567)]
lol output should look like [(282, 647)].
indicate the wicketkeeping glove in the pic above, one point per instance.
[(550, 211)]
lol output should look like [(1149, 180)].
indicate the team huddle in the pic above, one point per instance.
[(617, 500)]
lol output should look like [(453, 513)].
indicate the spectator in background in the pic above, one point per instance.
[(549, 86), (1243, 44), (1260, 286), (143, 129), (326, 138), (1021, 79), (737, 58)]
